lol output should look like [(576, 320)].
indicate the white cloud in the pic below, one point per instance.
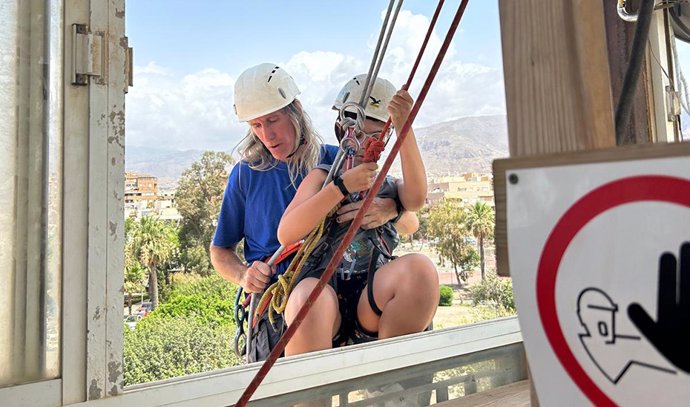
[(195, 110)]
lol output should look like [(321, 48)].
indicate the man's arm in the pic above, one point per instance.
[(252, 279), (407, 224), (381, 211)]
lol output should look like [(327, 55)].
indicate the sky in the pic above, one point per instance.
[(187, 56)]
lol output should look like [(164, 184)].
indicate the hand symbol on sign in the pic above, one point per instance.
[(670, 334)]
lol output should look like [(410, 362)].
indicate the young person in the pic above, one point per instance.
[(371, 295)]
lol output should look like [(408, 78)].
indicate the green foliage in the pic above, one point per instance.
[(494, 291), (480, 221), (446, 296), (196, 260), (213, 286), (447, 226), (199, 196), (423, 218), (135, 275), (165, 347), (152, 241), (209, 300), (210, 311)]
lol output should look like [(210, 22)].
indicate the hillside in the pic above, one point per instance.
[(467, 144)]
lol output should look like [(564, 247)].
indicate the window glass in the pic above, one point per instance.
[(30, 244)]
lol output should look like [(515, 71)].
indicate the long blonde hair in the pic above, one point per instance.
[(308, 142)]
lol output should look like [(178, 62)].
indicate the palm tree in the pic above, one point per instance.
[(153, 241), (481, 222), (134, 280)]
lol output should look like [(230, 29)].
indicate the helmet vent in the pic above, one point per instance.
[(282, 93), (271, 75)]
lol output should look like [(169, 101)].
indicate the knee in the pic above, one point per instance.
[(325, 306), (423, 269)]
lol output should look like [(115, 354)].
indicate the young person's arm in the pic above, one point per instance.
[(413, 187), (312, 204)]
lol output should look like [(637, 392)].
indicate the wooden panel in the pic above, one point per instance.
[(511, 395), (556, 76)]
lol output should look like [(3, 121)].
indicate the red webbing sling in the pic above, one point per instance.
[(356, 222)]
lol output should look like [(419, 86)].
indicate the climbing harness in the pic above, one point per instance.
[(356, 223), (274, 299)]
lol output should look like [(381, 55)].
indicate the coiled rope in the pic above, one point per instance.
[(276, 296)]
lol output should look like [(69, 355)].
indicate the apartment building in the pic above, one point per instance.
[(468, 188), (141, 194)]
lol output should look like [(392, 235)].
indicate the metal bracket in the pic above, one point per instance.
[(672, 104), (129, 64), (87, 54)]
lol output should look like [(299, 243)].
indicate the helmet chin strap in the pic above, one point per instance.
[(301, 141)]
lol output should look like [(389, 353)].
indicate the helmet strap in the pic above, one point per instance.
[(301, 141)]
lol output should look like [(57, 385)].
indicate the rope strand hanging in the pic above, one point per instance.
[(356, 223), (374, 147)]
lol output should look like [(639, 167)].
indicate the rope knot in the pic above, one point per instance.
[(373, 149)]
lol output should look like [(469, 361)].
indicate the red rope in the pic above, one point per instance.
[(375, 153), (356, 222)]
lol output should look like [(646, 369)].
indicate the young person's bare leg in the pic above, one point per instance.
[(407, 292), (322, 322)]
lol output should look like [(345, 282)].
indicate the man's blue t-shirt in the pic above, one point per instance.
[(253, 203)]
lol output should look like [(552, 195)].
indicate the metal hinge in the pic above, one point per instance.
[(129, 65), (87, 54)]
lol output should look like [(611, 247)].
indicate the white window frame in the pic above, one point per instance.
[(93, 129)]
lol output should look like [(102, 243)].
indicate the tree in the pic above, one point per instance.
[(480, 220), (422, 230), (135, 274), (164, 347), (153, 242), (190, 333), (447, 227), (199, 196)]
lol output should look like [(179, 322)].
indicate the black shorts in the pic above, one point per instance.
[(349, 291)]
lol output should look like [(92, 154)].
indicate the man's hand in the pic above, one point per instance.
[(381, 211), (256, 277), (670, 334)]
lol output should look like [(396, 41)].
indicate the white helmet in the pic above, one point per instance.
[(263, 89), (377, 105)]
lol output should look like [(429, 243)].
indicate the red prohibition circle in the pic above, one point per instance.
[(627, 190)]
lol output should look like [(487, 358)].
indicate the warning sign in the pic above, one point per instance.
[(600, 259)]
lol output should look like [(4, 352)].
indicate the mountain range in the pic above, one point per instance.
[(468, 144)]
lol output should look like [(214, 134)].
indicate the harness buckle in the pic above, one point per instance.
[(346, 274)]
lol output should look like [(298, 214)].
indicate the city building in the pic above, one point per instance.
[(467, 188)]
